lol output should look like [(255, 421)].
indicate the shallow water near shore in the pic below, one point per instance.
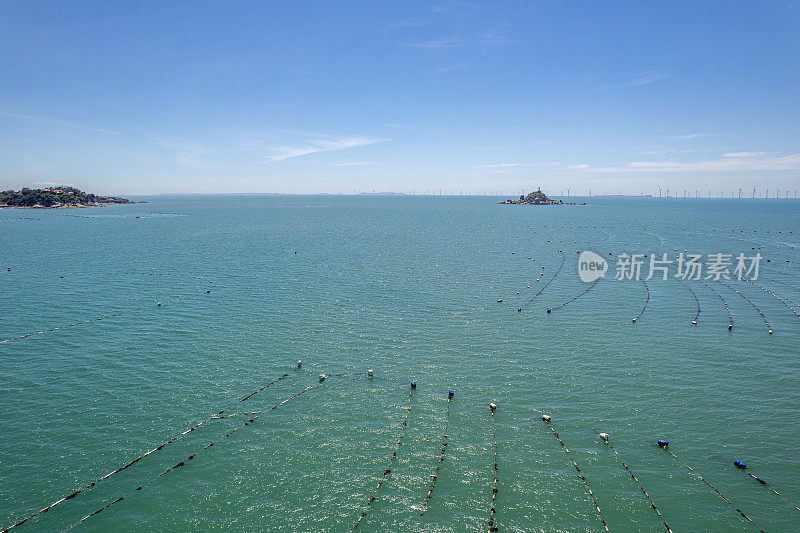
[(408, 287)]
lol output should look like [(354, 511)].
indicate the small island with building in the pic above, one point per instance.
[(538, 198), (55, 197)]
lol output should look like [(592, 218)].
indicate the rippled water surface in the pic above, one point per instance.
[(408, 287)]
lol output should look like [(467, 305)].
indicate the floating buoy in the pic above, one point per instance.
[(370, 373), (519, 310), (299, 364), (159, 304), (208, 292), (450, 393), (413, 384), (322, 377), (730, 327), (492, 406), (770, 332), (634, 320), (500, 300), (663, 443), (546, 418), (517, 293), (739, 464), (604, 436), (549, 310), (694, 322)]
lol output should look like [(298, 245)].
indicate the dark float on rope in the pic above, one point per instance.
[(739, 464), (663, 443), (413, 384)]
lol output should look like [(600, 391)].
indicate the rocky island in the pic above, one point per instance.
[(55, 197), (538, 198)]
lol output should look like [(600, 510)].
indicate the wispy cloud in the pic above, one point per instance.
[(281, 153), (495, 165), (578, 167), (55, 121), (646, 79), (736, 161), (442, 43), (452, 68), (690, 136), (353, 164), (744, 154)]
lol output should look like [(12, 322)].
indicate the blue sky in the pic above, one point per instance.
[(304, 97)]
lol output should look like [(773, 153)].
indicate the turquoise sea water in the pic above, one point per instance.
[(408, 287)]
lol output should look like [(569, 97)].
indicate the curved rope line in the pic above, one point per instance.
[(391, 460), (563, 258), (728, 309), (751, 303), (172, 439), (652, 503), (435, 475), (646, 301), (580, 474), (189, 458)]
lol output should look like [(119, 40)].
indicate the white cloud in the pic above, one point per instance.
[(647, 79), (690, 136), (578, 167), (353, 164), (730, 163), (281, 153), (55, 121), (496, 165), (743, 154)]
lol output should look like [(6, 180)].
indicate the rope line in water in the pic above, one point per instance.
[(751, 303), (728, 309), (778, 296), (492, 527), (773, 490), (546, 419), (692, 470), (652, 503), (697, 301), (784, 283), (646, 301), (563, 258), (178, 299), (189, 458), (575, 297), (391, 460), (435, 475), (85, 488)]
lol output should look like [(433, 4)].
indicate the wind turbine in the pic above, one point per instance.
[(754, 193), (740, 193), (659, 191)]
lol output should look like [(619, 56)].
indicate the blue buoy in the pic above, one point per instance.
[(549, 310), (663, 443), (413, 384), (208, 292), (519, 310), (450, 394), (737, 463)]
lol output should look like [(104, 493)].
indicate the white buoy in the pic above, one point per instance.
[(159, 304), (546, 418), (634, 320), (694, 322), (604, 436), (299, 364), (322, 377), (492, 406), (370, 373), (770, 332), (730, 326), (499, 300)]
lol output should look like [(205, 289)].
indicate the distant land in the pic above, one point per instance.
[(55, 197), (538, 198)]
